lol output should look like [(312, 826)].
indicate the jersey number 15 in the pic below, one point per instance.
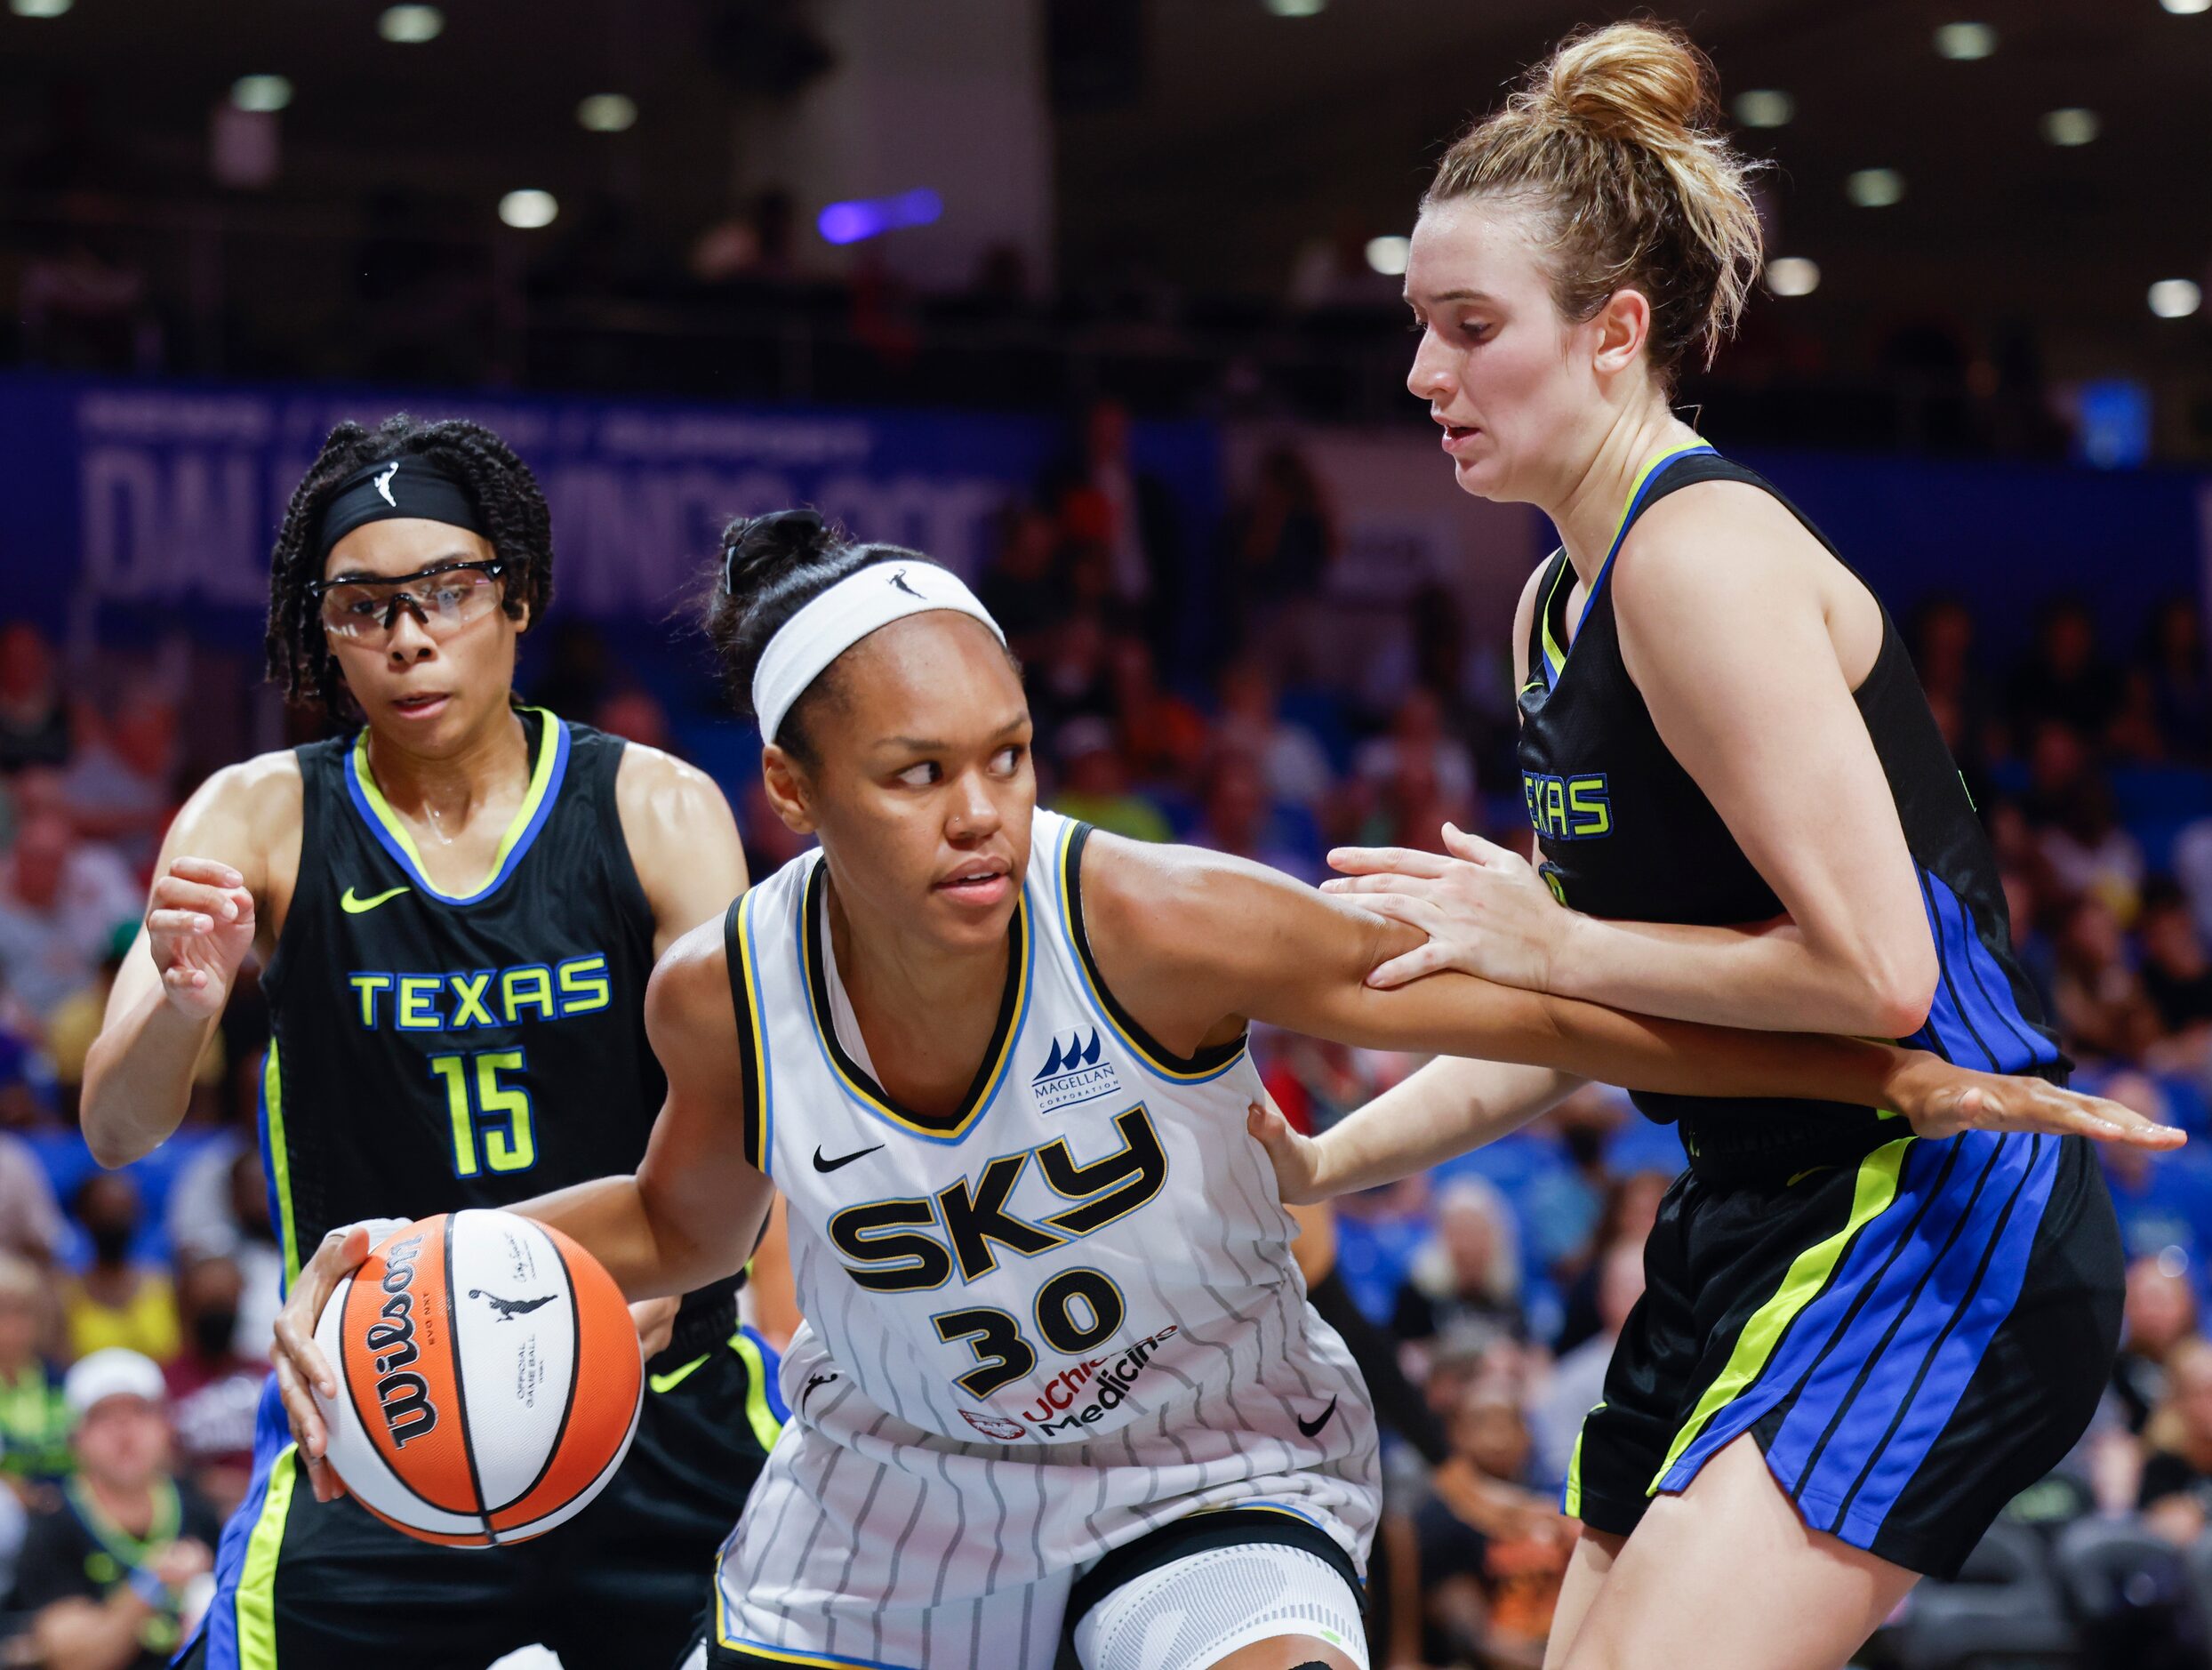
[(481, 1107)]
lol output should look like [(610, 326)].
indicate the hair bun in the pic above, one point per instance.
[(757, 550), (1630, 82)]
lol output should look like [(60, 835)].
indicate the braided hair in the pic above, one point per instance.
[(506, 496)]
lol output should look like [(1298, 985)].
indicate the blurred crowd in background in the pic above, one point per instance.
[(1502, 1279)]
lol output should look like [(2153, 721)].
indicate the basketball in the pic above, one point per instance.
[(489, 1379)]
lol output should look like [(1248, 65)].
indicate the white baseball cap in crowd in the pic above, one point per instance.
[(117, 1371)]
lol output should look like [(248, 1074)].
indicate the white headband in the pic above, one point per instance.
[(864, 601)]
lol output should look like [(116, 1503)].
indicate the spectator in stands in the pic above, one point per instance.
[(1250, 721), (1163, 737), (76, 1020), (108, 1575), (1094, 783), (2180, 692), (1074, 681), (2103, 1008), (1578, 1378), (213, 1390), (2070, 806), (122, 784), (59, 901), (2161, 1311), (635, 714), (1235, 817), (33, 1414), (1410, 809), (2164, 1201), (2063, 678), (1129, 511), (1024, 589), (2177, 1490), (34, 722), (1942, 654), (1631, 1207), (2176, 973), (115, 1301), (1281, 542), (31, 1218), (1417, 736), (1469, 1274), (1492, 1558)]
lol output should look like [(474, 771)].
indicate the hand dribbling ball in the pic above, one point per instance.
[(489, 1378)]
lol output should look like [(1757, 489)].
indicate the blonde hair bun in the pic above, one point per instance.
[(1630, 82), (1615, 139)]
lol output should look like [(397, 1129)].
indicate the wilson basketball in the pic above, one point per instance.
[(489, 1378)]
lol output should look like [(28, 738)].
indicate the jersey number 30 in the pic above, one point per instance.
[(1074, 1311), (482, 1107)]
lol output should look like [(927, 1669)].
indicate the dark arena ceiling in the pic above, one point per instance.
[(1199, 145)]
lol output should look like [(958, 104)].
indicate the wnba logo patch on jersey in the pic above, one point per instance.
[(1073, 1073)]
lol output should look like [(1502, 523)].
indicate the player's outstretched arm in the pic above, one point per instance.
[(200, 922), (1447, 1107), (1203, 940)]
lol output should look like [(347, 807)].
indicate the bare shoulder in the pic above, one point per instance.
[(242, 814), (1136, 892), (1188, 910), (1708, 543), (688, 997), (654, 787)]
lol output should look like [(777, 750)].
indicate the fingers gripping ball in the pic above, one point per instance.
[(489, 1380)]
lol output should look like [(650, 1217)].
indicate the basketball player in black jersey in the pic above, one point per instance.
[(1857, 1344), (458, 904)]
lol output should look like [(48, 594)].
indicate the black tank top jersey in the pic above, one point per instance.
[(1625, 832), (431, 1052)]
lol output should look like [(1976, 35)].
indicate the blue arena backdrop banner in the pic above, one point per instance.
[(2007, 536), (129, 499)]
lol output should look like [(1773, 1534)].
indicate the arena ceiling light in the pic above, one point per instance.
[(607, 113), (529, 209), (1297, 8), (1387, 255), (2175, 298), (2072, 125), (1765, 107), (868, 217), (39, 8), (1965, 41), (411, 26), (264, 95), (1875, 187), (1792, 276), (2186, 8)]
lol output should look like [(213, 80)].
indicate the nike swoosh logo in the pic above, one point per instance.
[(353, 907), (1310, 1428), (674, 1377), (842, 1159)]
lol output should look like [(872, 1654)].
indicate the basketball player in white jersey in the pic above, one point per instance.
[(1058, 1368)]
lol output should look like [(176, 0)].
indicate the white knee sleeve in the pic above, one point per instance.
[(1194, 1611)]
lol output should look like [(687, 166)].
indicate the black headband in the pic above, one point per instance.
[(405, 486)]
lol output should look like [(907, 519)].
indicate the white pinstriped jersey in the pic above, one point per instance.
[(1070, 1310)]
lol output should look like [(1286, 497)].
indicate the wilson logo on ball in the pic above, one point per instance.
[(404, 1397)]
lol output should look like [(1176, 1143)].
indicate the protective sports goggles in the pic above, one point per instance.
[(442, 599)]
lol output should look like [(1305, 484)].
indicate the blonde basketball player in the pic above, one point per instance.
[(1057, 1369)]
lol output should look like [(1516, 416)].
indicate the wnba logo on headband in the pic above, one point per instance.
[(408, 485), (866, 600)]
